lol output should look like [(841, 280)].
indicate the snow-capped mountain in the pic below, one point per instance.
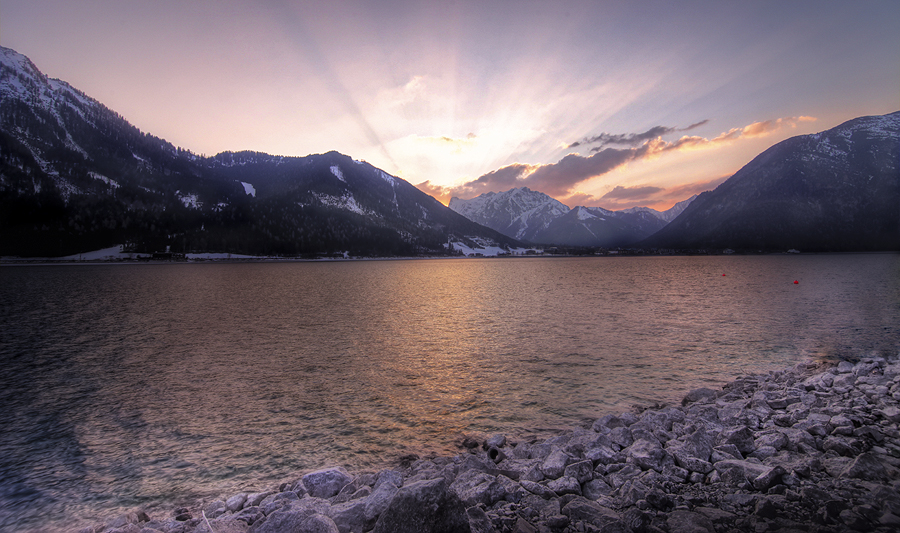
[(519, 213), (837, 190), (76, 176), (535, 217)]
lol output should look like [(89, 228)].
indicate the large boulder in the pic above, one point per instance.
[(326, 483), (424, 506)]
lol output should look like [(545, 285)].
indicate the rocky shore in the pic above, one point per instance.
[(810, 449)]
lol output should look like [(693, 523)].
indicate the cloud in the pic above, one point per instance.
[(561, 178), (659, 198), (628, 193), (631, 139)]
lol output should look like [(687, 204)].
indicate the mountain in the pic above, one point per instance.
[(535, 217), (837, 190), (519, 213), (76, 176)]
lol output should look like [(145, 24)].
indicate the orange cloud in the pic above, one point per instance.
[(560, 178)]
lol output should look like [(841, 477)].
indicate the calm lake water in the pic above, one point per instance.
[(148, 386)]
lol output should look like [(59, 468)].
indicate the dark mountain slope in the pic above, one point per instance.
[(838, 190), (76, 176)]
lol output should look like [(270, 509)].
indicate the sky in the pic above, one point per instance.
[(596, 103)]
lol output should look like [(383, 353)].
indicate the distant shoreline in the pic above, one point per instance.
[(45, 261)]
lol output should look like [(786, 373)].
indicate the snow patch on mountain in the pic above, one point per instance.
[(346, 201), (336, 170), (189, 200), (112, 183)]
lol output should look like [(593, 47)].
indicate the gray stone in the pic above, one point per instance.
[(296, 521), (583, 510), (388, 476), (647, 455), (351, 516), (537, 489), (596, 488), (697, 395), (496, 441), (474, 487), (621, 436), (424, 506), (768, 478), (775, 439), (583, 471), (236, 502), (726, 451), (689, 522), (326, 483), (555, 464), (564, 485), (215, 509), (866, 466), (738, 473), (602, 455), (740, 437), (479, 521)]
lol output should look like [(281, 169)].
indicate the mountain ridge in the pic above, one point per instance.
[(535, 217), (836, 190), (76, 176)]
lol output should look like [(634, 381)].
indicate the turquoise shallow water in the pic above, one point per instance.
[(152, 385)]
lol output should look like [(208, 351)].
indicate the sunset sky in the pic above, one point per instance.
[(611, 104)]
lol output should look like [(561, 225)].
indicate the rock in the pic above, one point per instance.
[(890, 412), (583, 510), (865, 466), (236, 502), (602, 455), (474, 487), (296, 521), (647, 455), (769, 507), (689, 522), (596, 488), (250, 515), (479, 522), (555, 464), (564, 485), (388, 476), (424, 506), (740, 437), (621, 436), (326, 483), (738, 473), (697, 395), (537, 489), (215, 509), (583, 471), (771, 476), (495, 441)]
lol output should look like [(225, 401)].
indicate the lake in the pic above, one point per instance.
[(155, 385)]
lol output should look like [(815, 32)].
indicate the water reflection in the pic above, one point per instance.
[(154, 385)]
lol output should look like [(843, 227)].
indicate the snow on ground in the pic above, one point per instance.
[(249, 189), (106, 254), (489, 251)]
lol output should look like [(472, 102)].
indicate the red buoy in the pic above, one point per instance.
[(796, 282), (723, 274)]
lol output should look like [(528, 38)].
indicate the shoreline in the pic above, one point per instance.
[(813, 448)]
